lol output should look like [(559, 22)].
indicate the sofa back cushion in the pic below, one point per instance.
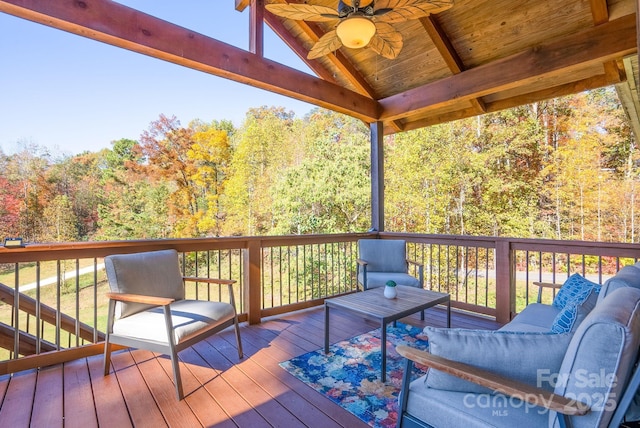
[(628, 276), (512, 354), (600, 357), (154, 273), (383, 255)]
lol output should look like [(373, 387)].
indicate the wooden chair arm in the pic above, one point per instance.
[(209, 280), (228, 282), (547, 285), (362, 262), (503, 385), (413, 262), (542, 286), (137, 298)]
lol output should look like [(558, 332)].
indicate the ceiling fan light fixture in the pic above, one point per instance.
[(356, 31)]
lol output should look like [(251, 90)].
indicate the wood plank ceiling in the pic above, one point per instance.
[(478, 56)]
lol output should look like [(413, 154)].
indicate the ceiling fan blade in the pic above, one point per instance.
[(303, 12), (327, 44), (387, 41), (405, 10)]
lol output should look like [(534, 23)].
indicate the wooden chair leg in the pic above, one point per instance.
[(107, 355)]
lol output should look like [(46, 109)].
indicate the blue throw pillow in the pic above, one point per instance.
[(575, 289), (576, 298)]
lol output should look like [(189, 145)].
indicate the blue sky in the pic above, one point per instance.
[(71, 94)]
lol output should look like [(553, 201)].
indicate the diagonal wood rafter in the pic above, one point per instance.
[(448, 53), (338, 59)]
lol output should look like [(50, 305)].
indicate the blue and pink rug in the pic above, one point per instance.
[(350, 373)]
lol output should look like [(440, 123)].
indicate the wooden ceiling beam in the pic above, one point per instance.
[(599, 11), (256, 27), (605, 42), (529, 98), (449, 54), (600, 15), (119, 25)]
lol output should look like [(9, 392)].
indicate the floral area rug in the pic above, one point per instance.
[(350, 373)]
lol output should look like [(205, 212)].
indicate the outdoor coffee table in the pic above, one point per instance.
[(373, 305)]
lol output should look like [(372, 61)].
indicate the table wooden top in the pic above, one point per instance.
[(372, 302)]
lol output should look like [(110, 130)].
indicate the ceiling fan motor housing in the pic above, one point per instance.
[(348, 7)]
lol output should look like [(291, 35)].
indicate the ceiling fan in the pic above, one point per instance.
[(360, 23)]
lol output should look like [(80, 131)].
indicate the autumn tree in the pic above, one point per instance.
[(328, 190), (263, 148)]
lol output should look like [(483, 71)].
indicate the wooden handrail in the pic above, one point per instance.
[(27, 342), (47, 314)]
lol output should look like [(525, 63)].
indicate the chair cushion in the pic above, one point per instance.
[(604, 348), (188, 317), (379, 279), (154, 273), (383, 255), (516, 355), (628, 276)]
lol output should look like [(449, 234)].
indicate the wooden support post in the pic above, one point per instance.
[(377, 176), (638, 35), (256, 27), (252, 284), (504, 281)]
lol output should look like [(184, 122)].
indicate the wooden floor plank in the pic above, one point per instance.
[(18, 401), (79, 406), (265, 371), (253, 393), (48, 402), (204, 405), (162, 387), (111, 409), (142, 407), (221, 390), (230, 400)]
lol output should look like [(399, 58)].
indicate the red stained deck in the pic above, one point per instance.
[(221, 391)]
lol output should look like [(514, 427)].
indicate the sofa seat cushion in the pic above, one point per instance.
[(515, 355), (188, 317), (379, 279), (460, 409), (535, 317)]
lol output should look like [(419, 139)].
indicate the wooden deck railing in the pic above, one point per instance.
[(54, 294)]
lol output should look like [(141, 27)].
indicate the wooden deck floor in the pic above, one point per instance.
[(222, 391)]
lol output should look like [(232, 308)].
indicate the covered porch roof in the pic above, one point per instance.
[(473, 58)]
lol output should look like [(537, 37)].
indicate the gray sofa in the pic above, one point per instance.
[(538, 317), (578, 364)]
